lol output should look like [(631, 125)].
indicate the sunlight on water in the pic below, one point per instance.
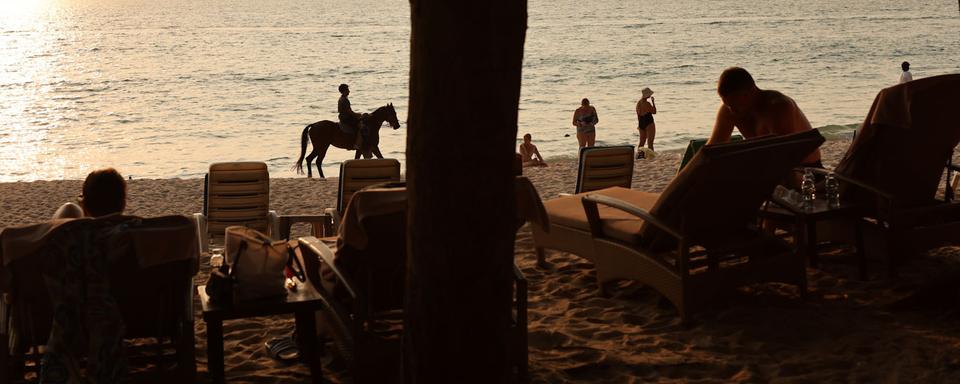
[(163, 89)]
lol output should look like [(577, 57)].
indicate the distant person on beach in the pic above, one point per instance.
[(646, 126), (529, 153), (349, 120), (104, 193), (756, 112), (905, 76), (585, 119)]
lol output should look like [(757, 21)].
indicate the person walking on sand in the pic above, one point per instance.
[(585, 119), (905, 76), (756, 112), (529, 153), (646, 126), (349, 120)]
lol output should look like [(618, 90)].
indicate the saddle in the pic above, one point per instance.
[(360, 125)]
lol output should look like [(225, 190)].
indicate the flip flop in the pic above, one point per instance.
[(283, 349)]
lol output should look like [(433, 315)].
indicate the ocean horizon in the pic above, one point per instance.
[(163, 89)]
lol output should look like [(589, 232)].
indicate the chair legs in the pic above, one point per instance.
[(541, 257)]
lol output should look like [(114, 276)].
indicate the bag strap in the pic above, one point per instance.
[(236, 258), (298, 270)]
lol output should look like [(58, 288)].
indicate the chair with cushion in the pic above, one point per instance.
[(363, 282), (146, 274), (699, 236), (600, 168), (360, 173), (895, 163)]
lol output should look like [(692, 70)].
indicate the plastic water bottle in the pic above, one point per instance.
[(808, 190), (833, 191)]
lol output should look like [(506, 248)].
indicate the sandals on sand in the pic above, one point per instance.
[(283, 349)]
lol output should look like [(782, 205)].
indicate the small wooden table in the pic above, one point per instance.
[(806, 220), (302, 303)]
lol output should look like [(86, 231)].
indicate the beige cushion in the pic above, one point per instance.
[(568, 211)]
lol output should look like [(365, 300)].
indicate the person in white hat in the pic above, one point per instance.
[(648, 129)]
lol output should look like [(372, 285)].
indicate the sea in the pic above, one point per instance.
[(161, 89)]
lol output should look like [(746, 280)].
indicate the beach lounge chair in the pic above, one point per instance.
[(895, 163), (698, 237), (363, 281), (600, 168), (235, 194), (150, 270), (360, 173)]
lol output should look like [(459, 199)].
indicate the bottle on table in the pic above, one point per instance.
[(832, 188), (808, 190)]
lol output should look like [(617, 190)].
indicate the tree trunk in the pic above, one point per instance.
[(466, 58)]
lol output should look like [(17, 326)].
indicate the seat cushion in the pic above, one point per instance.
[(568, 211)]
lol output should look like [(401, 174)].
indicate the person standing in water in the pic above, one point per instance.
[(585, 119), (349, 120), (646, 126)]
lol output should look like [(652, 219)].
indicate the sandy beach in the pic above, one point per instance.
[(847, 330)]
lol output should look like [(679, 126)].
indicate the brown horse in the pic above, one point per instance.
[(325, 133)]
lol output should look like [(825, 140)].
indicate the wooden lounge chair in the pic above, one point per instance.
[(895, 163), (698, 237), (235, 194), (360, 173), (600, 168), (152, 263)]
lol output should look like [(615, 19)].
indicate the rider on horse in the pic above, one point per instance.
[(350, 121)]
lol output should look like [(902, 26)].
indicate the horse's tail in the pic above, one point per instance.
[(303, 149)]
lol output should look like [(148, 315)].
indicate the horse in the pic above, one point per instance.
[(325, 133)]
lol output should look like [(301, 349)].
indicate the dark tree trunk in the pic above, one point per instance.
[(466, 58)]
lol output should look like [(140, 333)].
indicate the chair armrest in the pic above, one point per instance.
[(564, 194), (334, 219), (273, 225), (593, 214), (203, 238), (326, 257), (320, 224)]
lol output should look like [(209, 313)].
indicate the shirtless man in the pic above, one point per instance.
[(529, 153), (756, 112)]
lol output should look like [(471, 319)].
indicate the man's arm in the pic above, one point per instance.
[(537, 152), (723, 127)]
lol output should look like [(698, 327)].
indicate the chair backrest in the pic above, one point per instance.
[(151, 267), (237, 194), (604, 167), (718, 194), (906, 140), (372, 244), (694, 146), (357, 174)]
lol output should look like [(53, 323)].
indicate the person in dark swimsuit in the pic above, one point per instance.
[(646, 126), (585, 119)]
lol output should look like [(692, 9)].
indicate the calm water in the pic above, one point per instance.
[(163, 88)]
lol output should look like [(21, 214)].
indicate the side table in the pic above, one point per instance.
[(302, 303), (806, 220)]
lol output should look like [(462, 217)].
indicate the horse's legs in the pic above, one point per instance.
[(376, 151), (310, 157), (357, 154), (320, 156)]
